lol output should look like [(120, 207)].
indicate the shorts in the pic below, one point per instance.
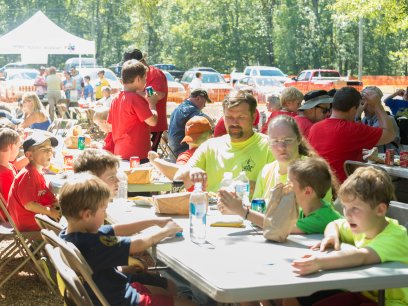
[(336, 298), (147, 299), (150, 279)]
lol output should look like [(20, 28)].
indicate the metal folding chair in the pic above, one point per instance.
[(74, 292), (27, 244), (167, 152), (75, 260), (45, 222), (399, 211)]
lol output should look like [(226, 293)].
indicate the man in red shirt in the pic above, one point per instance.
[(317, 107), (156, 79), (340, 138)]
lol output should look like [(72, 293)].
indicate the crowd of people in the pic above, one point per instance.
[(303, 145)]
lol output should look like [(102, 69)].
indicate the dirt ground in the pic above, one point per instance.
[(25, 288)]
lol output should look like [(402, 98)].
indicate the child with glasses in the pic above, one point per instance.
[(29, 193)]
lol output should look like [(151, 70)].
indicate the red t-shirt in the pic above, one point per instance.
[(220, 129), (157, 79), (304, 124), (274, 114), (130, 132), (183, 157), (6, 179), (338, 140), (28, 186), (108, 143)]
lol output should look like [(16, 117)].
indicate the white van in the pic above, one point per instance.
[(80, 62)]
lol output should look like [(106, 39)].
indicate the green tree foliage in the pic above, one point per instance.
[(225, 34)]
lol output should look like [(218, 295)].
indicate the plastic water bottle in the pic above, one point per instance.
[(227, 180), (242, 188), (123, 186), (198, 214)]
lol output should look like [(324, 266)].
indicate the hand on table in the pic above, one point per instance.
[(172, 228), (308, 264), (327, 242), (163, 221), (152, 155), (229, 203)]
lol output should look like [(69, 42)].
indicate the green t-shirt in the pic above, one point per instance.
[(390, 245), (219, 155), (316, 221), (269, 177)]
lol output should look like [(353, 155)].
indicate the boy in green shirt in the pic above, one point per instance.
[(365, 197)]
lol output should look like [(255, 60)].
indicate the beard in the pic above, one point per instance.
[(236, 133)]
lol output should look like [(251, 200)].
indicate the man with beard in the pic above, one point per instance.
[(241, 149)]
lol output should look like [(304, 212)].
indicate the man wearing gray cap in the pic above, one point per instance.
[(317, 106)]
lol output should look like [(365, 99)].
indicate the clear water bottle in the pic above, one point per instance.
[(123, 186), (198, 214), (227, 180), (242, 188)]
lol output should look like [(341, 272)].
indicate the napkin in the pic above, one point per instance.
[(227, 221)]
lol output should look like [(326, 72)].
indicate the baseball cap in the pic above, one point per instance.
[(133, 54), (37, 139), (200, 92), (316, 100), (195, 127)]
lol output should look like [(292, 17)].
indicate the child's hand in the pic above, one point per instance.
[(163, 221), (229, 203), (152, 155), (54, 214), (308, 264), (172, 228), (327, 242), (153, 99)]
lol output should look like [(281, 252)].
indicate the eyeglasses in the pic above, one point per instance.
[(325, 110), (285, 141)]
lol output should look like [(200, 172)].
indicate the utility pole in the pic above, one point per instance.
[(360, 49)]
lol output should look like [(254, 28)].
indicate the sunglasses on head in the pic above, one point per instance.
[(325, 110)]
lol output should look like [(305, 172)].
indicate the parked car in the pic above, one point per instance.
[(208, 69), (262, 87), (272, 72), (213, 82), (80, 62), (16, 82), (315, 79), (177, 93), (113, 80)]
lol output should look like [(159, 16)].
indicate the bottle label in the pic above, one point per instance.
[(197, 210), (241, 188)]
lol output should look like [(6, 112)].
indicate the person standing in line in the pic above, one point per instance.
[(53, 90), (157, 80)]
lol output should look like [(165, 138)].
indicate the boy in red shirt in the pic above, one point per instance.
[(9, 148), (131, 115), (29, 193)]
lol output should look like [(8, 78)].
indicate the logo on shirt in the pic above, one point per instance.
[(42, 192), (109, 240), (248, 165)]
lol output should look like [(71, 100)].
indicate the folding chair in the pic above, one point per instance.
[(45, 222), (75, 260), (61, 126), (27, 244), (74, 292), (399, 211), (167, 152)]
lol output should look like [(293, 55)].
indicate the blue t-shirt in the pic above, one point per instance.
[(396, 105), (88, 91), (41, 125), (104, 252), (181, 114)]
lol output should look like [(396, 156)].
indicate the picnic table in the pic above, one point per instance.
[(238, 264)]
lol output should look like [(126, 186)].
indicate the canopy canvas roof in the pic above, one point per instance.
[(39, 36)]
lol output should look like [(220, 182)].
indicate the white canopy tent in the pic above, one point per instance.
[(38, 37)]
